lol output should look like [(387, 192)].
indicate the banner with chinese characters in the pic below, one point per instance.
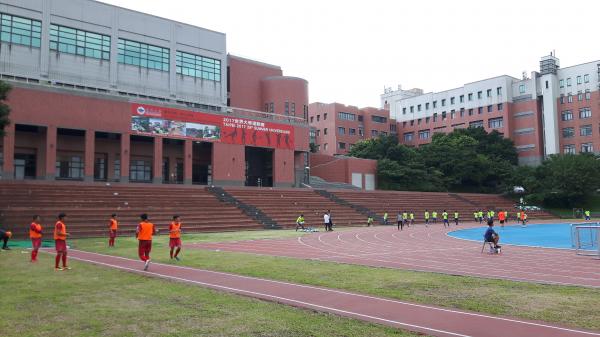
[(178, 123)]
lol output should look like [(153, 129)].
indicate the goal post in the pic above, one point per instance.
[(585, 238)]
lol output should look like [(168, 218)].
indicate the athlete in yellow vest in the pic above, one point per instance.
[(426, 218)]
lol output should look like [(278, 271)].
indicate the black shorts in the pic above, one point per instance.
[(501, 221)]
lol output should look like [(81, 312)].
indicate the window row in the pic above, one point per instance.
[(490, 108), (584, 130), (198, 66), (580, 95), (493, 123), (584, 113), (585, 147), (461, 99), (454, 114), (580, 80), (19, 30), (346, 116), (79, 42)]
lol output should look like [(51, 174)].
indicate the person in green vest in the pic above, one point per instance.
[(456, 218), (434, 216), (300, 222), (480, 214), (492, 214), (385, 217), (518, 216), (506, 216), (475, 215), (405, 218), (412, 218), (400, 221), (426, 218), (587, 215), (369, 221), (445, 218)]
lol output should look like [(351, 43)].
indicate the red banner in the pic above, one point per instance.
[(178, 123)]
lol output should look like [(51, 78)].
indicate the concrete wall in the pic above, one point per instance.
[(340, 169)]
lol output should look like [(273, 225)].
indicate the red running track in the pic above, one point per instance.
[(420, 318), (427, 249)]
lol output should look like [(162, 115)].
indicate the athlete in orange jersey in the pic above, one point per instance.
[(175, 237), (502, 218), (144, 233), (113, 224), (35, 234), (60, 242)]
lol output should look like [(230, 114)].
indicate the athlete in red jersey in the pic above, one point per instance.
[(175, 237), (113, 225), (35, 234), (60, 242), (144, 233)]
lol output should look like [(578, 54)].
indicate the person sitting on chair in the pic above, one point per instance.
[(491, 235), (300, 222)]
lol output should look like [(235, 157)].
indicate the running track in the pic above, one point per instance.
[(420, 318), (427, 249)]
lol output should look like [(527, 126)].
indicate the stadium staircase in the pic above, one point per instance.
[(88, 207), (285, 205), (249, 210)]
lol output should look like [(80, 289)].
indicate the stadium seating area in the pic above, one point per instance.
[(89, 205)]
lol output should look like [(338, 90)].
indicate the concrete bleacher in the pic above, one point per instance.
[(285, 205), (488, 201), (88, 207)]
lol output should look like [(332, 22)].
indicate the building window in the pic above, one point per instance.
[(561, 83), (351, 131), (452, 114), (567, 115), (324, 131), (287, 108), (374, 133), (587, 147), (361, 132), (522, 88), (383, 133), (272, 109), (293, 108), (451, 100), (424, 134), (346, 116), (444, 115), (404, 111), (462, 112), (569, 149), (318, 132), (408, 136), (117, 168), (579, 96), (140, 170), (470, 112), (579, 79), (570, 98), (342, 146), (489, 93), (476, 124), (435, 117), (419, 107), (79, 42), (378, 119), (496, 123), (444, 102), (585, 130), (568, 82), (412, 122), (312, 118), (480, 110), (499, 91), (427, 120), (360, 118), (490, 108), (586, 78), (427, 106), (500, 106), (393, 128), (325, 116), (568, 132), (461, 98), (434, 104), (325, 147), (588, 95), (341, 131), (19, 30), (419, 121), (479, 94), (470, 96), (412, 109), (585, 113), (562, 99), (143, 55), (70, 167)]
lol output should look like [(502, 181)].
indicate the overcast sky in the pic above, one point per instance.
[(349, 50)]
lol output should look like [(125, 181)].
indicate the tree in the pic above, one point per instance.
[(4, 108)]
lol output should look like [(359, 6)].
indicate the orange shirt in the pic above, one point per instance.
[(60, 231), (522, 215), (113, 224), (35, 231), (501, 216), (175, 230), (145, 230)]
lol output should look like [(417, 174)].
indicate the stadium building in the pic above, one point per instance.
[(102, 93), (555, 110)]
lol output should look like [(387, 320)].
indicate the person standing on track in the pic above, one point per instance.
[(399, 221), (145, 231), (35, 234), (426, 218), (587, 215), (475, 216), (518, 216), (412, 218), (113, 224), (502, 218), (480, 214), (60, 242), (492, 214), (175, 237), (456, 218), (385, 218), (445, 218), (369, 220), (434, 216)]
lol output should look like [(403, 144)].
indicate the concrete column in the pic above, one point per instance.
[(90, 150), (228, 164), (8, 153), (51, 140), (125, 155), (188, 159), (283, 168), (157, 177)]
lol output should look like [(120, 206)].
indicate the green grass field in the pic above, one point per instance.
[(91, 301), (572, 306)]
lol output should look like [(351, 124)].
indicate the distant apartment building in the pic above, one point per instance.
[(335, 127), (555, 110)]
